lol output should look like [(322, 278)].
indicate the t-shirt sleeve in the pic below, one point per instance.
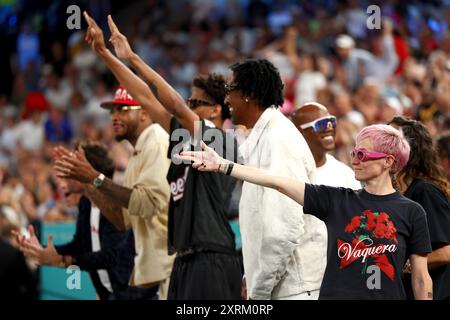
[(420, 238), (437, 209), (318, 200)]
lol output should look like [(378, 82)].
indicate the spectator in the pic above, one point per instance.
[(423, 181)]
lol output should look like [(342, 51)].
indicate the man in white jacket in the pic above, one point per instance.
[(284, 250)]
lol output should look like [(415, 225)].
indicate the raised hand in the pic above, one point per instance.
[(94, 35), (119, 41), (75, 167), (206, 160)]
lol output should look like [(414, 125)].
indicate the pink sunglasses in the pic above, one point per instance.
[(363, 155)]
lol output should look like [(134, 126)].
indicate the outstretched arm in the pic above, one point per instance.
[(132, 83), (208, 160), (166, 95)]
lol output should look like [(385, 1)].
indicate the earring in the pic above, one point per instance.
[(246, 100)]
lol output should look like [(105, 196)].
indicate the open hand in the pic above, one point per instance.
[(32, 248), (206, 160), (119, 41)]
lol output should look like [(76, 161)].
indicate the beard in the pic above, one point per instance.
[(120, 137)]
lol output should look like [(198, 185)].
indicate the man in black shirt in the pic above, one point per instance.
[(206, 266)]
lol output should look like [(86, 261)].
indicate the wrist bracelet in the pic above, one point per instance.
[(229, 168)]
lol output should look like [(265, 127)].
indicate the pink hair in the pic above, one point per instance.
[(388, 140)]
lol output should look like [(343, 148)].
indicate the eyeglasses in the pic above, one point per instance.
[(195, 103), (321, 124), (119, 109), (230, 87), (363, 155)]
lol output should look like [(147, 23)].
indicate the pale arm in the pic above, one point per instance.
[(209, 160), (422, 284)]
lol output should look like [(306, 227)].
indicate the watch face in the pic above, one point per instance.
[(97, 182)]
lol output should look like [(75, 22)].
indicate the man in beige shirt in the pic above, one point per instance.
[(142, 202)]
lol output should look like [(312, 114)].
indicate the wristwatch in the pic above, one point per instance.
[(99, 180)]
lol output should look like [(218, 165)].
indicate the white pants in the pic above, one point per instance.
[(308, 295)]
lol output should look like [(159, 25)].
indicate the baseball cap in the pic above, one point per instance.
[(345, 41), (122, 97)]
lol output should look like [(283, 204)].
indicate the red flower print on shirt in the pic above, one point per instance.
[(366, 228)]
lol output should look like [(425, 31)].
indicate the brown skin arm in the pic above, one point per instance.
[(110, 197), (160, 89)]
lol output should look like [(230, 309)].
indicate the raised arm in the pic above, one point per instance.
[(208, 160), (131, 82), (166, 94)]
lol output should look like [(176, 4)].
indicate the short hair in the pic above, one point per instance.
[(388, 140), (214, 87), (259, 80), (97, 155)]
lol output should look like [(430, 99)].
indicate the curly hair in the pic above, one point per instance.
[(214, 87), (423, 161), (259, 80)]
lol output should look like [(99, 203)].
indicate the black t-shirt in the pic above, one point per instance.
[(197, 212), (369, 240), (437, 208)]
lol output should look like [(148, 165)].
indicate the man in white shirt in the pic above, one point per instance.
[(284, 258), (319, 129)]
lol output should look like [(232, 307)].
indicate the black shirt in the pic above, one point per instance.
[(197, 212), (437, 208), (369, 239)]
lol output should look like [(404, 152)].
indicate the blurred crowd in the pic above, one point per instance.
[(323, 49)]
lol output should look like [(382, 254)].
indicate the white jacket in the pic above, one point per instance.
[(284, 250)]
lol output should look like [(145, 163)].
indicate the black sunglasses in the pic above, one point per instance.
[(194, 103), (230, 87)]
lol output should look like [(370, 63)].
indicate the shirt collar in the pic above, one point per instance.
[(250, 143), (143, 138)]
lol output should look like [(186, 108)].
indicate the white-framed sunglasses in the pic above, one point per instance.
[(321, 125)]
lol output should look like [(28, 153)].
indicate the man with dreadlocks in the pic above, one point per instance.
[(284, 250)]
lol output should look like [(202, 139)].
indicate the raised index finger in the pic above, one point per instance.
[(91, 22), (112, 26)]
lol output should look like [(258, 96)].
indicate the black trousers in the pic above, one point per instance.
[(206, 276)]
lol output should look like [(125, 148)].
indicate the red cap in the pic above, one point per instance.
[(35, 102), (120, 98)]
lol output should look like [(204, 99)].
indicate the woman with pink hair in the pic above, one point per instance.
[(371, 232)]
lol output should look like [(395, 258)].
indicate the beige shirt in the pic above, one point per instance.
[(147, 212)]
